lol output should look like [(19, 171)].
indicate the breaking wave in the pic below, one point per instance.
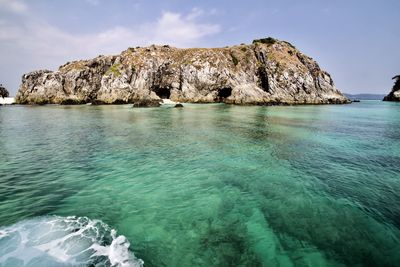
[(64, 241)]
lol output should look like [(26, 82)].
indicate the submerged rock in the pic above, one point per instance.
[(268, 71), (145, 103), (394, 95), (179, 105)]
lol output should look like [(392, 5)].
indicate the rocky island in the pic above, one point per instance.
[(394, 95), (266, 72)]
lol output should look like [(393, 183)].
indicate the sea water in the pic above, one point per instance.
[(203, 185)]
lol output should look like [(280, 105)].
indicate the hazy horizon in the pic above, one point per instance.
[(355, 42)]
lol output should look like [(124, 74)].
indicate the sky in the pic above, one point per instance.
[(356, 41)]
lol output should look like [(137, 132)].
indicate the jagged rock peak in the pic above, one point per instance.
[(268, 71), (394, 95)]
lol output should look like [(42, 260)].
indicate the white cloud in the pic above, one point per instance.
[(195, 13), (174, 28), (33, 43), (15, 6), (40, 38)]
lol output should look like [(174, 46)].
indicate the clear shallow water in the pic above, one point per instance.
[(212, 185)]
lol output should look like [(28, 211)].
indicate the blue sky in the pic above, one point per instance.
[(356, 41)]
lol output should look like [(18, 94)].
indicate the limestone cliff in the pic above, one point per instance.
[(267, 71), (394, 95)]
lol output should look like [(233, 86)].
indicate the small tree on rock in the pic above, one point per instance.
[(3, 91)]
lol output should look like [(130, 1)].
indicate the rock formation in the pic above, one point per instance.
[(3, 91), (268, 71), (394, 95)]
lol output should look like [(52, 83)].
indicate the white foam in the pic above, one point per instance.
[(64, 241), (7, 100), (168, 102)]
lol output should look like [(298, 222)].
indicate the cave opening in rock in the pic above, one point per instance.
[(224, 93), (263, 76), (162, 92)]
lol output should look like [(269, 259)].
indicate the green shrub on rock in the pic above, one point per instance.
[(268, 40), (3, 92)]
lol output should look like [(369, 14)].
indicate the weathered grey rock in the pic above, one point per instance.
[(394, 95), (3, 91), (265, 72)]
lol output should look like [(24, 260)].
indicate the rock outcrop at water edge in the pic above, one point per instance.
[(394, 95), (268, 71)]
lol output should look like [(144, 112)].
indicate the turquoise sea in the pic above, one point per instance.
[(205, 185)]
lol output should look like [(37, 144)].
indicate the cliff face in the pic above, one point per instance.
[(266, 72), (394, 95)]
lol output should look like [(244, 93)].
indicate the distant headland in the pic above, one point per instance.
[(266, 72)]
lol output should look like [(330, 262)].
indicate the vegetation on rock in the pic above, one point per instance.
[(115, 70), (234, 60), (268, 40), (3, 91)]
